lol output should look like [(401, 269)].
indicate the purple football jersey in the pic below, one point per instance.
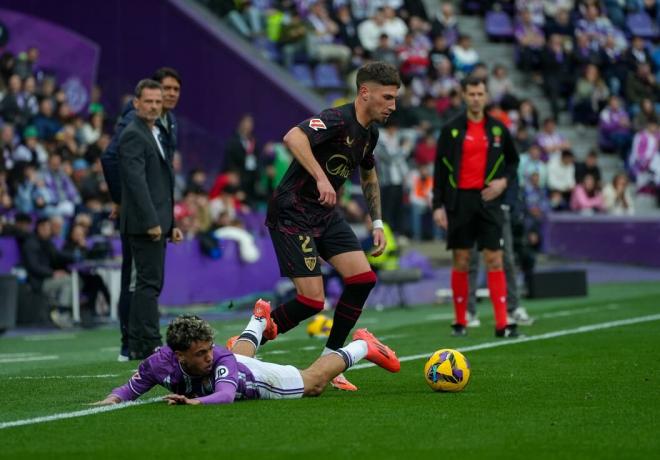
[(163, 368)]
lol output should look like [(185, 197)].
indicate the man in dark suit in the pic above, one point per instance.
[(171, 82), (147, 214)]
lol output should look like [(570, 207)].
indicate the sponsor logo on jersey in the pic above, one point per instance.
[(310, 262), (337, 165), (316, 124)]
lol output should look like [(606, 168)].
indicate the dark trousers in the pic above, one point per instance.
[(125, 293), (148, 270), (392, 197)]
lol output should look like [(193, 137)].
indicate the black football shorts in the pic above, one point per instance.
[(298, 255), (475, 221)]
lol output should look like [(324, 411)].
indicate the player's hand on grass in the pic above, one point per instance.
[(494, 189), (108, 401), (327, 194), (440, 218), (380, 242), (174, 399)]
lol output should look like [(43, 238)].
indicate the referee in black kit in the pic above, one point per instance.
[(476, 160)]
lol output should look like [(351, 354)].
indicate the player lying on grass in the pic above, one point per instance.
[(198, 372)]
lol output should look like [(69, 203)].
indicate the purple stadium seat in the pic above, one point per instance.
[(642, 25), (302, 73), (499, 25), (326, 76)]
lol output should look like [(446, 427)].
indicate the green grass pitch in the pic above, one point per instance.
[(591, 393)]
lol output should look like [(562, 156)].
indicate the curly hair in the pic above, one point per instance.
[(186, 329), (378, 72)]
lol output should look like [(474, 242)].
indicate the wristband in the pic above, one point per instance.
[(378, 223)]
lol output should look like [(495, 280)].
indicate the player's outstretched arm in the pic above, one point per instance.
[(298, 144), (371, 191), (108, 401)]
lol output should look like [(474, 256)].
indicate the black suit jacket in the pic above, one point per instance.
[(147, 182)]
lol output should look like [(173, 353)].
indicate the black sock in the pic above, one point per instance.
[(290, 314), (349, 307)]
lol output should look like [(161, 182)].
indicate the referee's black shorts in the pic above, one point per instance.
[(298, 255), (474, 220)]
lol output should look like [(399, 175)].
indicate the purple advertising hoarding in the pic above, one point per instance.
[(72, 58)]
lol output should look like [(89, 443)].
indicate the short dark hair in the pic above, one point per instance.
[(164, 72), (146, 84), (186, 329), (22, 217), (379, 72), (472, 80)]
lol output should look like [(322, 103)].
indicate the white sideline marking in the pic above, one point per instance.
[(46, 337), (16, 355), (481, 346), (24, 359), (533, 338), (78, 413), (57, 377), (578, 311)]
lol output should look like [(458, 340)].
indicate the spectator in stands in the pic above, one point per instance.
[(31, 194), (637, 54), (445, 24), (583, 54), (179, 177), (30, 151), (370, 30), (561, 179), (8, 142), (420, 198), (612, 65), (10, 106), (426, 149), (646, 113), (644, 161), (528, 116), (642, 85), (500, 86), (243, 155), (550, 140), (412, 57), (588, 167), (92, 130), (531, 163), (28, 98), (348, 31), (385, 52), (614, 128), (63, 194), (464, 56), (391, 154), (617, 198), (590, 96), (322, 45), (46, 269), (586, 197), (530, 40), (594, 26), (5, 195), (395, 27), (439, 52), (46, 123), (560, 24), (556, 66), (75, 248)]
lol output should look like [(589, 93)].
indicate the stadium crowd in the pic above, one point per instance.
[(582, 53)]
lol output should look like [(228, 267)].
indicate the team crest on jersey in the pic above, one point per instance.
[(310, 262), (316, 124), (349, 142)]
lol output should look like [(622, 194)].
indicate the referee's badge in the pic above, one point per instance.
[(497, 133), (310, 262)]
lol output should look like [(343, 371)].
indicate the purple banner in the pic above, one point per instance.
[(631, 240), (71, 57)]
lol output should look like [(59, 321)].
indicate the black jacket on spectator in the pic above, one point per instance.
[(147, 182), (502, 158), (40, 259)]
